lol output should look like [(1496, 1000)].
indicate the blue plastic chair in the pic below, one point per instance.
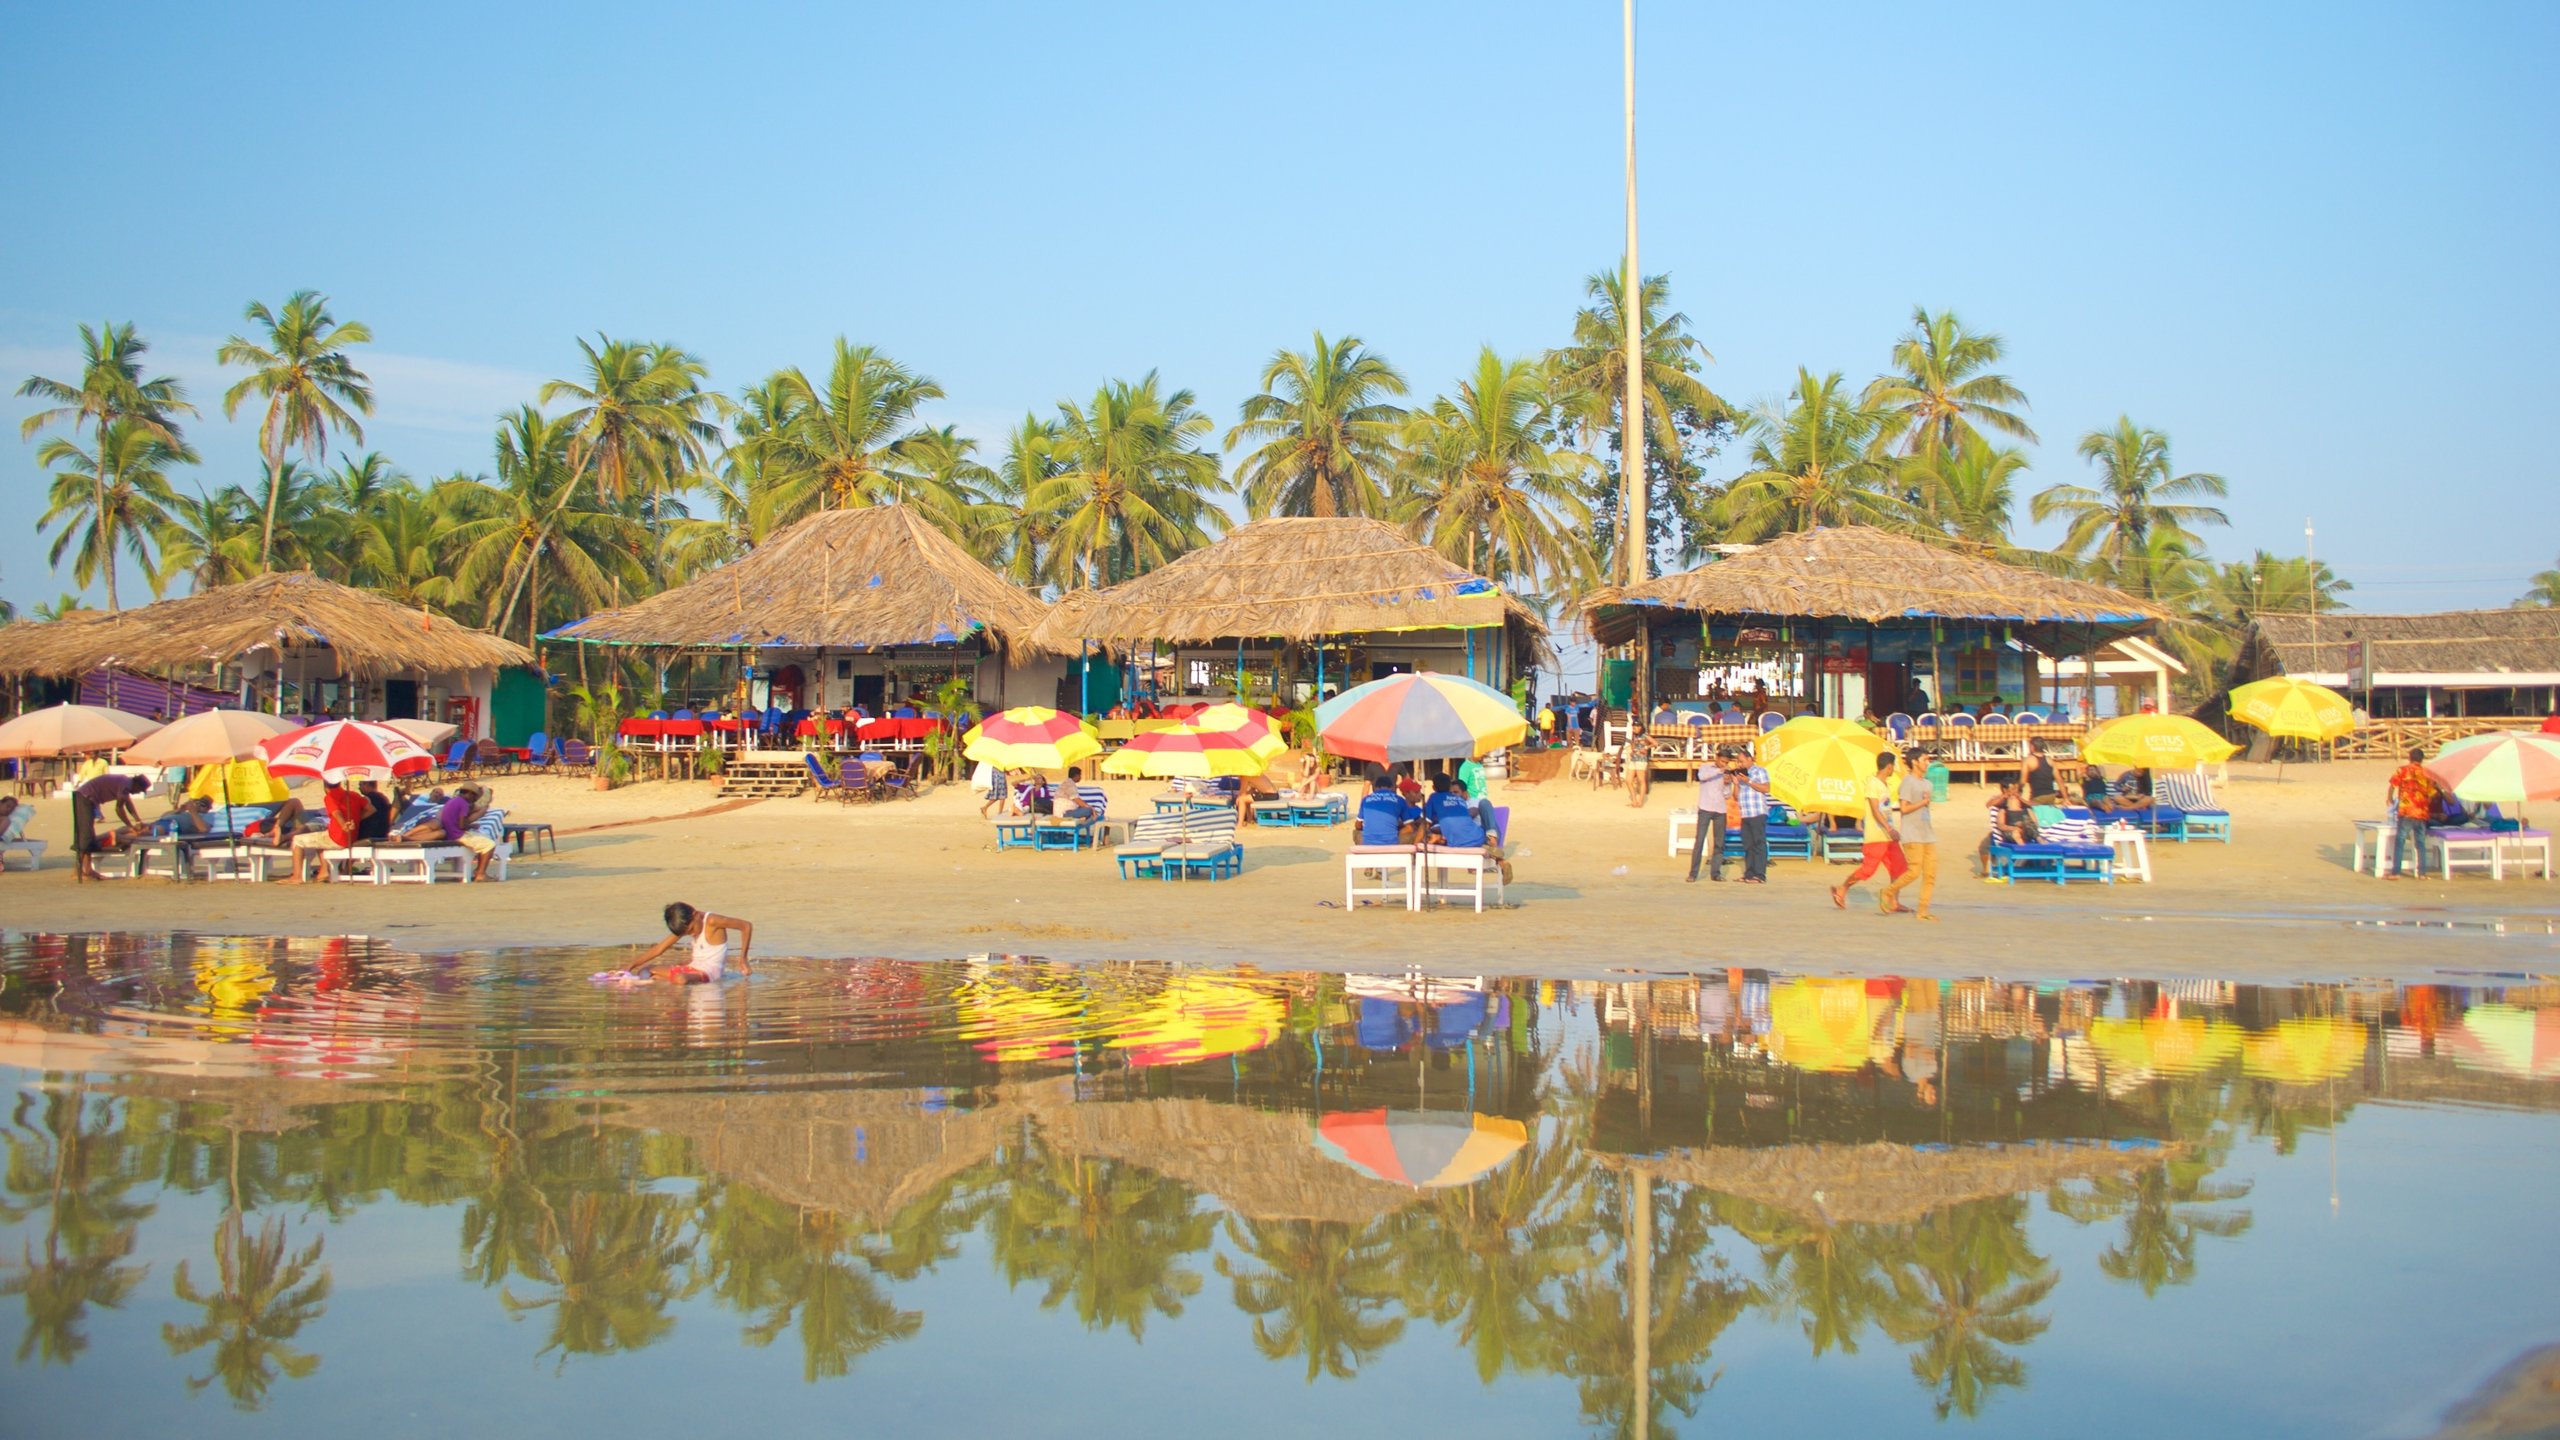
[(537, 750)]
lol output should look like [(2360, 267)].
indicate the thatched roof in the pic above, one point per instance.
[(863, 579), (1295, 578), (364, 635), (1862, 575), (2489, 645), (1880, 1184)]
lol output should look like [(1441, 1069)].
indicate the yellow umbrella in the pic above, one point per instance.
[(1030, 737), (1186, 750), (237, 782), (2287, 706), (2162, 1045), (2155, 742), (1819, 1024), (1804, 730), (1259, 731), (1200, 1017), (1828, 773), (2304, 1052)]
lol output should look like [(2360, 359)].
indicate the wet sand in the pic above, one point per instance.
[(1595, 893)]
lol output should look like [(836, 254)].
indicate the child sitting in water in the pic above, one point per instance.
[(709, 935)]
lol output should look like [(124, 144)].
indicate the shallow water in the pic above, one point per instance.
[(290, 1187)]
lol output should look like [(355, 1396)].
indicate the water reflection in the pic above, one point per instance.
[(1595, 1182)]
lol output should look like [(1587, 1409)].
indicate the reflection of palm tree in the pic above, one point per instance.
[(1489, 1255), (264, 1299), (1636, 1338), (70, 1164), (1966, 1285), (1326, 1282), (1108, 1233), (611, 1261), (1824, 1274), (2163, 1206)]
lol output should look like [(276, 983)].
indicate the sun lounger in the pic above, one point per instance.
[(2192, 798), (32, 849), (426, 864), (1209, 849), (2060, 864), (1143, 854), (253, 863)]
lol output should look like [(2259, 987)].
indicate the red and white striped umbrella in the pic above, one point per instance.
[(339, 748)]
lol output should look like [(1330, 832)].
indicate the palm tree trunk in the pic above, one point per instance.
[(275, 482)]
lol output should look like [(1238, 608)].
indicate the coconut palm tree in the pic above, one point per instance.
[(1965, 1287), (1966, 491), (1814, 461), (399, 544), (1107, 1234), (1942, 390), (639, 421), (1591, 377), (111, 390), (113, 497), (611, 1260), (1132, 488), (949, 479), (70, 1159), (1487, 485), (212, 539), (2137, 508), (2545, 591), (301, 370), (849, 442), (1004, 530), (1327, 432), (1318, 1288), (262, 1299), (514, 538)]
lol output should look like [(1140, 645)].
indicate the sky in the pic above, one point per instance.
[(2315, 246)]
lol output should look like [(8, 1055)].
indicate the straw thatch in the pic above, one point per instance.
[(1299, 579), (361, 635), (863, 579), (2521, 643), (1863, 575), (1880, 1184)]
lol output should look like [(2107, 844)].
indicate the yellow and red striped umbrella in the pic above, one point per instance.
[(1185, 750), (1030, 737), (1259, 731)]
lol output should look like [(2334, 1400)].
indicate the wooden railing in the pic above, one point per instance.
[(2379, 739)]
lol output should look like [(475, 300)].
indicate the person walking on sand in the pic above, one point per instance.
[(1919, 837), (707, 936), (1881, 844)]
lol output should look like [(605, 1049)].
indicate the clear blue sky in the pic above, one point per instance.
[(2317, 246)]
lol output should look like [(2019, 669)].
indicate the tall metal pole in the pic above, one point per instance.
[(1632, 486)]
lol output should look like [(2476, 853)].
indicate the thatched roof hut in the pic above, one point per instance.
[(1297, 579), (314, 625), (863, 579), (1864, 576), (1880, 1184), (2451, 649)]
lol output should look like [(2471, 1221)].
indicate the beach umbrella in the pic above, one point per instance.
[(70, 730), (2304, 1051), (209, 737), (1030, 737), (237, 782), (1185, 750), (1804, 730), (2155, 742), (2165, 1045), (1419, 717), (2285, 706), (1827, 773), (429, 733), (1425, 1149), (2511, 1038), (339, 748), (1200, 1017), (1820, 1024), (2507, 768), (1259, 731)]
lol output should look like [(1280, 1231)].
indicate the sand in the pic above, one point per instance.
[(1596, 894)]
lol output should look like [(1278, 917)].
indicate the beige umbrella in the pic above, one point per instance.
[(208, 738), (428, 733), (70, 730)]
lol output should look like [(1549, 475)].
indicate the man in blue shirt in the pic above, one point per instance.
[(1454, 822), (1387, 818)]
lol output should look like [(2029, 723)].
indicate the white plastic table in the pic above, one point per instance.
[(2133, 851)]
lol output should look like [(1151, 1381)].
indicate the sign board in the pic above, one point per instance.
[(1843, 665), (2360, 666)]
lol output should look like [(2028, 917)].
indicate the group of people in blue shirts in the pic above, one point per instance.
[(1445, 816)]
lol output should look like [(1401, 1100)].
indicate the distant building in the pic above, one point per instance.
[(2451, 663)]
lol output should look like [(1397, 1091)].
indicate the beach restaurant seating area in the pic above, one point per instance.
[(2489, 840)]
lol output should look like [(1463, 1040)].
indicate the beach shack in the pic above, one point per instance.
[(1291, 608), (1838, 621), (2420, 679), (291, 643), (870, 607)]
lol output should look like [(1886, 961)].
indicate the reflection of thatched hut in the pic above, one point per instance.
[(350, 651), (864, 1154), (845, 607), (1261, 1164), (1359, 596), (1879, 1184), (1865, 613)]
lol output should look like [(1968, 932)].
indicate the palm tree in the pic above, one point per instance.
[(1327, 433), (2545, 591), (1591, 379), (2137, 508), (111, 390), (1491, 1256), (509, 539), (115, 497), (2271, 584), (263, 1299), (1968, 1286), (69, 1159), (1814, 461), (1486, 486), (303, 374), (400, 542), (1942, 390), (361, 483), (1319, 1288), (1108, 1234), (212, 539), (850, 443), (611, 1261), (1004, 530), (1132, 486), (640, 420), (1966, 491), (949, 480)]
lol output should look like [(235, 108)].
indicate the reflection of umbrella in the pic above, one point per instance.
[(1819, 1024), (2155, 742), (70, 730), (2286, 705), (1804, 730), (1200, 1017), (2302, 1052), (2508, 768), (1258, 731), (237, 782), (1424, 1149), (1419, 717), (1030, 737), (1828, 773), (2165, 1046), (1185, 750), (428, 733), (2510, 1038), (340, 748)]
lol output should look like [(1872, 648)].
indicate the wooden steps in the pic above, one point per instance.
[(764, 775)]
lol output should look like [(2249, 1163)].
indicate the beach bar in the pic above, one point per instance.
[(292, 642), (2419, 679), (1293, 607)]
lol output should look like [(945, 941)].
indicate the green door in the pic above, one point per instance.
[(515, 705)]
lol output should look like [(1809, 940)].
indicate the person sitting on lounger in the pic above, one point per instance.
[(2132, 790), (347, 810), (2094, 793), (2013, 823), (1066, 802), (1452, 823), (1387, 818), (278, 826), (13, 818), (706, 937), (375, 827), (1311, 778)]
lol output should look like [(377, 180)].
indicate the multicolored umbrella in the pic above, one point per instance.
[(2512, 1038), (1419, 717), (336, 749), (2304, 1051), (1426, 1149), (2508, 768), (2286, 706), (1185, 750), (1030, 737), (1827, 773), (1259, 731), (2155, 742), (70, 730)]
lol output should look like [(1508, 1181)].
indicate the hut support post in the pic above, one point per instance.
[(1640, 695), (1084, 677), (1471, 654)]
